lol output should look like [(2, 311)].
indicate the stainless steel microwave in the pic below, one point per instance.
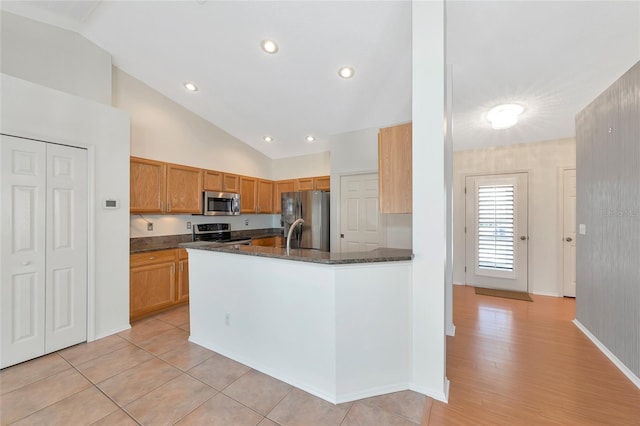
[(220, 204)]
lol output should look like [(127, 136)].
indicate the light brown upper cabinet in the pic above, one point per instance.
[(157, 187), (265, 196), (394, 169), (184, 189), (212, 181), (322, 183), (304, 184), (280, 187), (147, 185), (248, 199), (231, 183)]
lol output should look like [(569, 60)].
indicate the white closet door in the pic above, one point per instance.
[(22, 251), (66, 269)]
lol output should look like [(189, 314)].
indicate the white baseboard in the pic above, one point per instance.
[(546, 293), (451, 330), (110, 333), (442, 396), (625, 370)]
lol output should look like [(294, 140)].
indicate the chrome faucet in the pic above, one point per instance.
[(291, 228)]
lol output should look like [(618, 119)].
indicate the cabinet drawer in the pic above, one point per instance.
[(152, 257)]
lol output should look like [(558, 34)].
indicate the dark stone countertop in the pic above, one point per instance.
[(166, 242), (306, 255)]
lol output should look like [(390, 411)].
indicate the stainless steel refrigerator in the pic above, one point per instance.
[(313, 208)]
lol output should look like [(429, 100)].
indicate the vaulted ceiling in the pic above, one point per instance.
[(551, 57)]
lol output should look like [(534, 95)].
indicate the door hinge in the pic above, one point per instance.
[(465, 229), (465, 189), (465, 269)]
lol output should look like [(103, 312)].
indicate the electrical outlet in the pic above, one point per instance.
[(188, 225), (227, 319), (149, 226), (246, 222)]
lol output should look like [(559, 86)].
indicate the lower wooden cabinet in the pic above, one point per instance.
[(183, 276), (157, 280), (277, 241)]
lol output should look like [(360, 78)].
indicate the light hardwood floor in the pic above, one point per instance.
[(513, 362)]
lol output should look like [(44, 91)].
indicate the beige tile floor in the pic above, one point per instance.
[(151, 375)]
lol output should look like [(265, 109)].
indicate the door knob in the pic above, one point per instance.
[(522, 237), (341, 235), (568, 239)]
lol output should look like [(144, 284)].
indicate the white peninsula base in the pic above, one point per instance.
[(341, 332)]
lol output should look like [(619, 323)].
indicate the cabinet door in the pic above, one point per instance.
[(212, 181), (152, 287), (183, 280), (265, 196), (147, 186), (304, 184), (264, 242), (248, 188), (183, 275), (280, 187), (184, 189), (231, 182), (322, 183), (394, 169)]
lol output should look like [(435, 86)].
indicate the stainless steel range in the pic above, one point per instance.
[(219, 233)]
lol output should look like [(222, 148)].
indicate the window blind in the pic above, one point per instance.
[(495, 227)]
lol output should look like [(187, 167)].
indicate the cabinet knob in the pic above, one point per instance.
[(25, 263), (568, 239), (152, 257)]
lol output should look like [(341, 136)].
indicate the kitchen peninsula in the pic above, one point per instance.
[(337, 325)]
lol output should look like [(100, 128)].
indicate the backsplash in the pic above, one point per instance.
[(177, 224)]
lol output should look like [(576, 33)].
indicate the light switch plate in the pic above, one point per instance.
[(582, 229)]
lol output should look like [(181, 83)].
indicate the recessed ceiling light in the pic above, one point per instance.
[(190, 87), (310, 138), (504, 116), (268, 139), (269, 46), (346, 72)]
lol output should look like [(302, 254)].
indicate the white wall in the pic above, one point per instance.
[(53, 57), (163, 130), (429, 221), (301, 166), (357, 153), (543, 161), (33, 111)]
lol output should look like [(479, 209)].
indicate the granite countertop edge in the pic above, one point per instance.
[(310, 256)]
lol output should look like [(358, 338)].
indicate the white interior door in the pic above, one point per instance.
[(22, 219), (360, 228), (569, 233), (44, 248), (497, 231), (66, 254)]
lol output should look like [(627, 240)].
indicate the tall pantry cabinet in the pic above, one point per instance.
[(43, 252)]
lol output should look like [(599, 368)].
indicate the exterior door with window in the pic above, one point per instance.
[(496, 231)]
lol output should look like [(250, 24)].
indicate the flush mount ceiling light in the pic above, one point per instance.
[(346, 72), (269, 46), (268, 139), (190, 87), (310, 138), (504, 116)]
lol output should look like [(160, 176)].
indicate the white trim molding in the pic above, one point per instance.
[(625, 370)]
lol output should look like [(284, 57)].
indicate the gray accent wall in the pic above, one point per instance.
[(608, 203)]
